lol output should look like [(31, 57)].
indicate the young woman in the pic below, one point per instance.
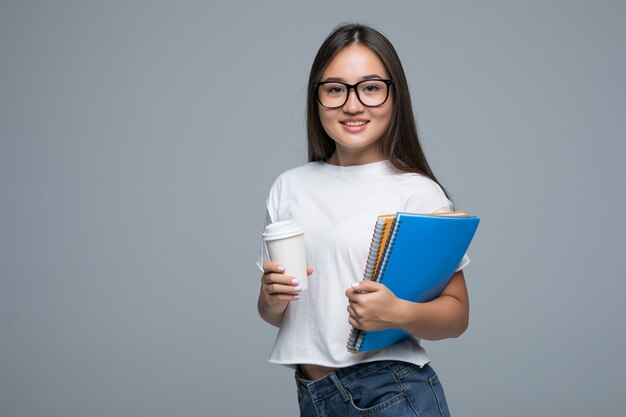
[(365, 159)]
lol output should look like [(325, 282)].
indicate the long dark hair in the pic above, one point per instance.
[(400, 145)]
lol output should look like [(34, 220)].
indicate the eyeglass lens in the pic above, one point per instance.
[(369, 92)]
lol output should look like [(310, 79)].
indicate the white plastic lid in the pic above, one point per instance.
[(282, 230)]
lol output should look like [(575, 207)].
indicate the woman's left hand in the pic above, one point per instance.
[(371, 306)]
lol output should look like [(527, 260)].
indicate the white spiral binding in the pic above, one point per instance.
[(369, 268), (359, 336)]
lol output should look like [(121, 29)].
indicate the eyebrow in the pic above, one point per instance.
[(365, 77)]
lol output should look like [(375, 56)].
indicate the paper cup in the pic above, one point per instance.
[(285, 244)]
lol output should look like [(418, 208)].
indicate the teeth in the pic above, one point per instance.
[(360, 123)]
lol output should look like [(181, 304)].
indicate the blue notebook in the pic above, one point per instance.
[(421, 254)]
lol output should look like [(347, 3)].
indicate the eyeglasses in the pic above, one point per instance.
[(371, 93)]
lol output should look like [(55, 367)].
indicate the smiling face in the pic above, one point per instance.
[(354, 127)]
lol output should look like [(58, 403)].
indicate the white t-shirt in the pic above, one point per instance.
[(338, 207)]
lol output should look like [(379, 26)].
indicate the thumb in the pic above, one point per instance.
[(366, 285)]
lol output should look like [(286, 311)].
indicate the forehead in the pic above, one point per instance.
[(354, 62)]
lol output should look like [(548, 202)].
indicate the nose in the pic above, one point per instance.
[(352, 104)]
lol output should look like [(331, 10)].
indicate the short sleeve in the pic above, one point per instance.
[(271, 216), (426, 196), (464, 262), (263, 255), (447, 207)]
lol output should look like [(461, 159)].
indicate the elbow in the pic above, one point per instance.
[(461, 326), (462, 318), (459, 332)]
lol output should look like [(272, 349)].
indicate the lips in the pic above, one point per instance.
[(354, 123), (354, 126)]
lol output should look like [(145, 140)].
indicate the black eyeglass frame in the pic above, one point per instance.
[(351, 87)]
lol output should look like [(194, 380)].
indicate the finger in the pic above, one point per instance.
[(366, 286), (272, 266), (284, 297), (354, 323), (352, 311), (352, 295), (277, 289), (349, 293), (274, 278)]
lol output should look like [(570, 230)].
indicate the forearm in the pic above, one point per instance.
[(442, 318)]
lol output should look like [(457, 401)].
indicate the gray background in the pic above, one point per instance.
[(138, 141)]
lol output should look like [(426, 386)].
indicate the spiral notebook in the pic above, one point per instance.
[(414, 255)]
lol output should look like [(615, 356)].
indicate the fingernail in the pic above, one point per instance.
[(355, 284), (296, 297), (295, 281), (298, 288), (281, 268)]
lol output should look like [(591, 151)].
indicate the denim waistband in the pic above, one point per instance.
[(342, 377)]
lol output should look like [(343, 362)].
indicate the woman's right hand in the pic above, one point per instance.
[(277, 290)]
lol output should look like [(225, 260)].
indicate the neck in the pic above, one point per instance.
[(343, 158)]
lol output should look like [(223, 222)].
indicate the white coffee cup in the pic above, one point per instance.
[(285, 244)]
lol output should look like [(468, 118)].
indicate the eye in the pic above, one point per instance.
[(334, 89), (372, 87)]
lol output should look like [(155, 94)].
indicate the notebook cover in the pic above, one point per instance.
[(423, 254)]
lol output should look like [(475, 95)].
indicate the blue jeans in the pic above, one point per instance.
[(382, 388)]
